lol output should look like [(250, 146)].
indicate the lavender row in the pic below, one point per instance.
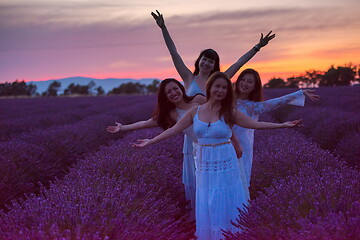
[(314, 205), (19, 107), (332, 129), (299, 191), (118, 192), (302, 191), (42, 155), (333, 122), (56, 111)]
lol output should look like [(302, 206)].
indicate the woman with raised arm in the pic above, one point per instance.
[(249, 100), (220, 189), (207, 62)]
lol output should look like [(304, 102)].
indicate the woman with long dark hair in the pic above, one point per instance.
[(220, 189), (171, 106), (249, 100)]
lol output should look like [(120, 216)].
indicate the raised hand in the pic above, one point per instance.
[(158, 18), (114, 129), (295, 123), (309, 94), (142, 143), (265, 40)]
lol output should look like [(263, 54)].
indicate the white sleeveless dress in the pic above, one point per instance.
[(219, 187), (193, 88)]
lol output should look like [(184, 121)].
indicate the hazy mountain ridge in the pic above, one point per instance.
[(107, 84)]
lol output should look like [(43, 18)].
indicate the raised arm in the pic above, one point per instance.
[(138, 125), (247, 122), (182, 124), (185, 74), (231, 71)]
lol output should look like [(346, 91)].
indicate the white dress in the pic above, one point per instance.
[(194, 88), (219, 188), (253, 110), (188, 174)]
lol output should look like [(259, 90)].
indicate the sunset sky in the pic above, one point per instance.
[(51, 39)]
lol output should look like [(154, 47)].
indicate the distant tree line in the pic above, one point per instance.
[(17, 89), (136, 88), (22, 89), (340, 76), (73, 89)]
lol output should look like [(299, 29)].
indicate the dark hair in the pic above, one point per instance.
[(162, 112), (209, 53), (227, 104), (256, 95)]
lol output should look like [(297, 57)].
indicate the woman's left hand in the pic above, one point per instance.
[(265, 40)]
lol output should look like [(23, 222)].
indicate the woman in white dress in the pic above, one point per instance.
[(219, 186), (171, 106), (249, 100)]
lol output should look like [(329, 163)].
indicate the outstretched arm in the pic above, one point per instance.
[(231, 71), (247, 122), (180, 66), (297, 98), (138, 125), (182, 124)]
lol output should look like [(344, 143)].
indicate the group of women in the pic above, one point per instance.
[(216, 128)]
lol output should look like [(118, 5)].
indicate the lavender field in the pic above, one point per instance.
[(62, 176)]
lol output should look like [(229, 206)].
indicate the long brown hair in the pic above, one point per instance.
[(227, 104), (209, 53), (256, 95), (162, 112)]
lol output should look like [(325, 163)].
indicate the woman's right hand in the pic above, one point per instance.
[(158, 18), (142, 143), (114, 129), (295, 123), (238, 150)]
